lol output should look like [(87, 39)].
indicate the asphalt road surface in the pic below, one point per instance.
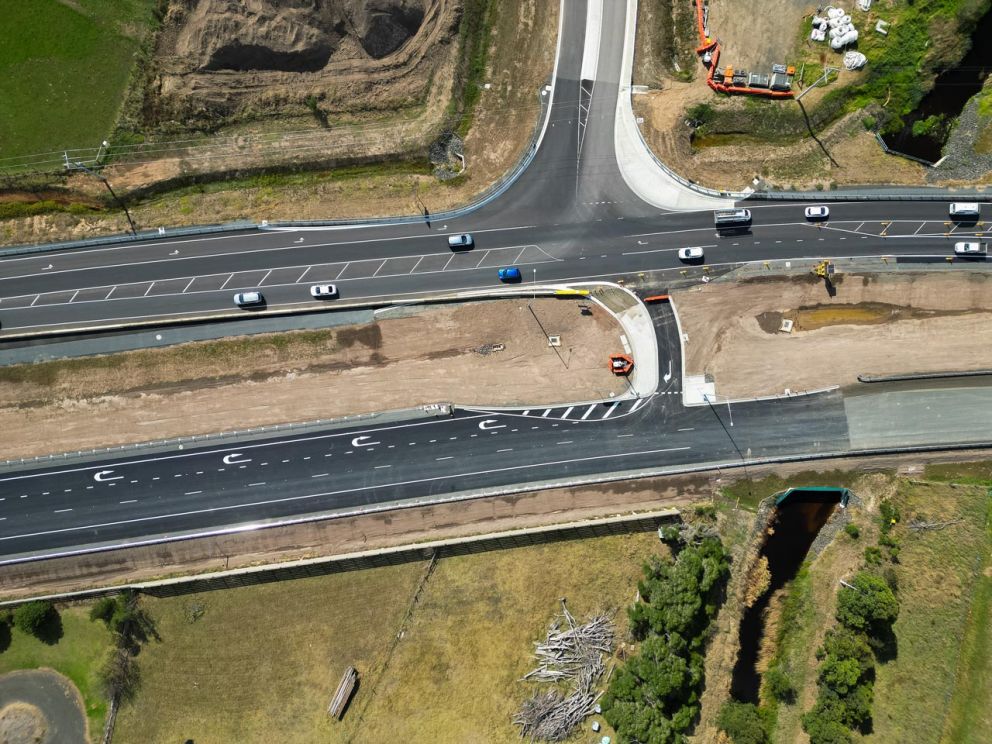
[(569, 216)]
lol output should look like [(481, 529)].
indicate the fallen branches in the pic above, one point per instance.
[(919, 525), (571, 653)]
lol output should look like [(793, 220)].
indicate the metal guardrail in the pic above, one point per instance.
[(889, 151)]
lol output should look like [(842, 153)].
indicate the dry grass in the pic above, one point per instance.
[(262, 663)]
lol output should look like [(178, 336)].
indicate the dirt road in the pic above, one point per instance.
[(439, 355), (876, 324)]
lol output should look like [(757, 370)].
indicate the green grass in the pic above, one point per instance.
[(78, 655), (63, 71), (938, 589)]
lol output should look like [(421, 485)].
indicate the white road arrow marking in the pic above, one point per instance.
[(229, 459), (360, 442), (484, 425), (101, 477), (669, 375)]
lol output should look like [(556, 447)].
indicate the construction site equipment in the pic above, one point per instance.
[(621, 364), (823, 269)]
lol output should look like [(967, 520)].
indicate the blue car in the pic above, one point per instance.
[(509, 274)]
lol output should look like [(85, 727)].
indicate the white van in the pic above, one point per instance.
[(965, 210), (732, 217)]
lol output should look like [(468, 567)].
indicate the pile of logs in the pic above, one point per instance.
[(572, 653)]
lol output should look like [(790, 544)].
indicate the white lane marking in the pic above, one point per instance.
[(104, 475), (609, 411), (520, 254), (416, 265), (567, 411), (637, 404), (382, 467), (62, 511), (363, 442), (689, 428), (448, 457), (508, 449), (252, 485), (229, 278), (128, 501), (588, 411), (546, 412), (450, 259), (238, 448), (567, 441), (73, 296), (146, 291), (265, 277), (231, 459), (110, 292), (305, 272), (192, 493), (485, 425), (320, 475), (134, 481), (661, 250), (342, 270), (328, 455), (307, 497), (621, 436), (380, 268)]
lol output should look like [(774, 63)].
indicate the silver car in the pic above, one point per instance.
[(460, 241), (248, 299)]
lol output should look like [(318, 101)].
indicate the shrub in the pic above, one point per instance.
[(889, 515), (743, 722), (30, 618), (870, 606), (779, 685), (852, 530), (870, 123), (823, 729), (103, 609), (873, 555)]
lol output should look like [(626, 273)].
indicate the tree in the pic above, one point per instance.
[(103, 609), (825, 730), (779, 685), (31, 617), (743, 722), (869, 606)]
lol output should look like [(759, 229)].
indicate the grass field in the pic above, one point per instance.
[(78, 655), (64, 67), (261, 663), (938, 573)]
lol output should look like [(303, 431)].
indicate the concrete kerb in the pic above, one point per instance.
[(649, 178), (455, 497)]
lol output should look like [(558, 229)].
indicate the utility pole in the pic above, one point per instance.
[(79, 166)]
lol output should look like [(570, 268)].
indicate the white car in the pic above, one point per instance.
[(460, 241), (323, 290), (694, 253), (971, 249), (247, 299), (817, 213)]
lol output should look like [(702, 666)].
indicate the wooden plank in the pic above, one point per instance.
[(346, 689)]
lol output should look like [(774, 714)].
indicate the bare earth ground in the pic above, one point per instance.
[(395, 363), (876, 324), (755, 35), (520, 62), (21, 723)]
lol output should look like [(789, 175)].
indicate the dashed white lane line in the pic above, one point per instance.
[(621, 436), (88, 488), (567, 411), (567, 441), (285, 461), (192, 493), (320, 475), (3, 519), (129, 501), (252, 485), (532, 428), (60, 511), (588, 411), (305, 458), (447, 457), (328, 455), (508, 449), (452, 439), (382, 467), (200, 472), (155, 477), (609, 411), (410, 444), (691, 428)]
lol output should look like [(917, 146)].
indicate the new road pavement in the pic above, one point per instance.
[(570, 216)]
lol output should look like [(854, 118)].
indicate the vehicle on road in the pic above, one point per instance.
[(693, 253), (248, 299), (965, 210), (509, 274), (817, 213), (732, 217), (323, 291), (460, 241), (971, 248)]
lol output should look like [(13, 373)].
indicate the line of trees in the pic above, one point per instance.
[(654, 697)]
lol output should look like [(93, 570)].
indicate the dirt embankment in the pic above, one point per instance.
[(881, 324), (440, 355)]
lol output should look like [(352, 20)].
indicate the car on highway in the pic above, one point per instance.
[(509, 274), (693, 253), (460, 241), (248, 299), (323, 291), (817, 213), (971, 248)]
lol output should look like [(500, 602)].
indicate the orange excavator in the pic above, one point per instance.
[(621, 364)]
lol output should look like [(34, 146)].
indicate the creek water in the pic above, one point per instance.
[(793, 530), (951, 91)]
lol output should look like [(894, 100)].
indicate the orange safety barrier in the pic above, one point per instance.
[(657, 298), (706, 45)]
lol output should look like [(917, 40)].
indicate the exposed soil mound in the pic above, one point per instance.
[(21, 723), (221, 58)]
